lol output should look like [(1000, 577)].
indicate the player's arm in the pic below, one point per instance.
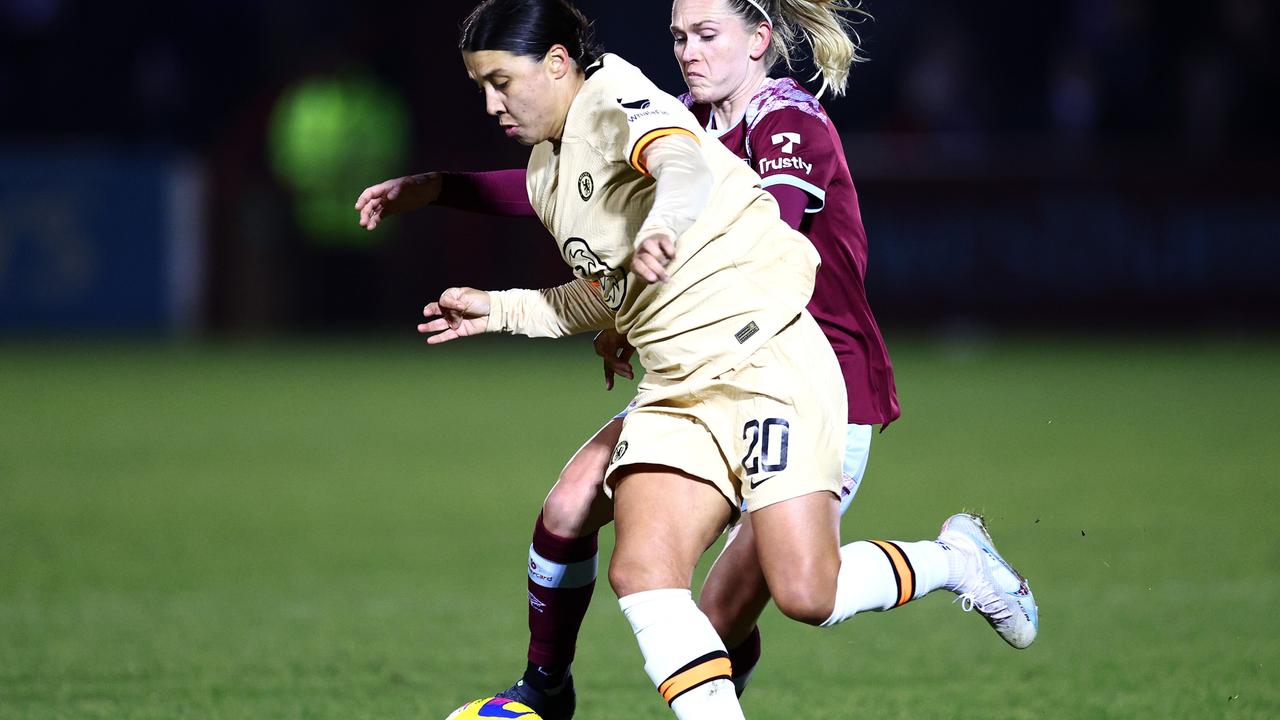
[(683, 184), (568, 309), (792, 202), (499, 192)]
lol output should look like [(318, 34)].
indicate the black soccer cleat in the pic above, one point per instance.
[(550, 706)]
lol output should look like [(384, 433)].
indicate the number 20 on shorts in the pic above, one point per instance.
[(768, 449)]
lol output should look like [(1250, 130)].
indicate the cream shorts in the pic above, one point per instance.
[(769, 430)]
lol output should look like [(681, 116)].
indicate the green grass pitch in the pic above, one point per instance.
[(338, 530)]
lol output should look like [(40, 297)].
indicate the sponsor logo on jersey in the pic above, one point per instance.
[(791, 140), (746, 332), (786, 163), (587, 265), (642, 104), (636, 116), (586, 186), (619, 451), (757, 483)]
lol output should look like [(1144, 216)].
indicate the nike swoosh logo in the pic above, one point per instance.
[(757, 483)]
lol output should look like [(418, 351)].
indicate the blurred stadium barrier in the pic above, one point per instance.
[(1039, 229), (100, 239)]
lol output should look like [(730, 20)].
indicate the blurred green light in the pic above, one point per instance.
[(328, 139)]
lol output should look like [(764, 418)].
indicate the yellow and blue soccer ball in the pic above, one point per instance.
[(493, 707)]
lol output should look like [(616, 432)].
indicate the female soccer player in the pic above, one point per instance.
[(792, 138)]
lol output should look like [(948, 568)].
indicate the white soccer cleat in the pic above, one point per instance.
[(990, 585)]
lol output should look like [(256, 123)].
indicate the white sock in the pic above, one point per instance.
[(932, 562), (683, 655), (880, 575)]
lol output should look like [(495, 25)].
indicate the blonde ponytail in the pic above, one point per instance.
[(828, 26)]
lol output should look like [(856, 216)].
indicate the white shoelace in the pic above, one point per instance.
[(990, 605), (993, 608)]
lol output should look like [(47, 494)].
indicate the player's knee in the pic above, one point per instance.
[(632, 574), (626, 577), (808, 605)]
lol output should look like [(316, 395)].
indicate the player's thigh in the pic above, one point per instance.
[(577, 504), (664, 519), (798, 543), (735, 592)]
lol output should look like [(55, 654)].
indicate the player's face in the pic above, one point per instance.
[(518, 92), (714, 48)]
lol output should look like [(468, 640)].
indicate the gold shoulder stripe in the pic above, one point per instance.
[(649, 137)]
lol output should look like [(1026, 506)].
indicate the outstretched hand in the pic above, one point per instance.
[(398, 195), (460, 312), (616, 351)]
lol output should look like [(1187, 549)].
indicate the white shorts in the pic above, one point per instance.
[(857, 448)]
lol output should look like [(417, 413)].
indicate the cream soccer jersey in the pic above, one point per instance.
[(740, 273)]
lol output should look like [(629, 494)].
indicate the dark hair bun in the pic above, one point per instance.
[(530, 28)]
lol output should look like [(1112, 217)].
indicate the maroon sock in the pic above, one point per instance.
[(562, 575), (744, 659)]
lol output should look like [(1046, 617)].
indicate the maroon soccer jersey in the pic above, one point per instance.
[(788, 139)]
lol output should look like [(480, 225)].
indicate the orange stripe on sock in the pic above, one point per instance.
[(902, 570), (686, 680)]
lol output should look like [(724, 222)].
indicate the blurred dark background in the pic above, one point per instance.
[(190, 167)]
